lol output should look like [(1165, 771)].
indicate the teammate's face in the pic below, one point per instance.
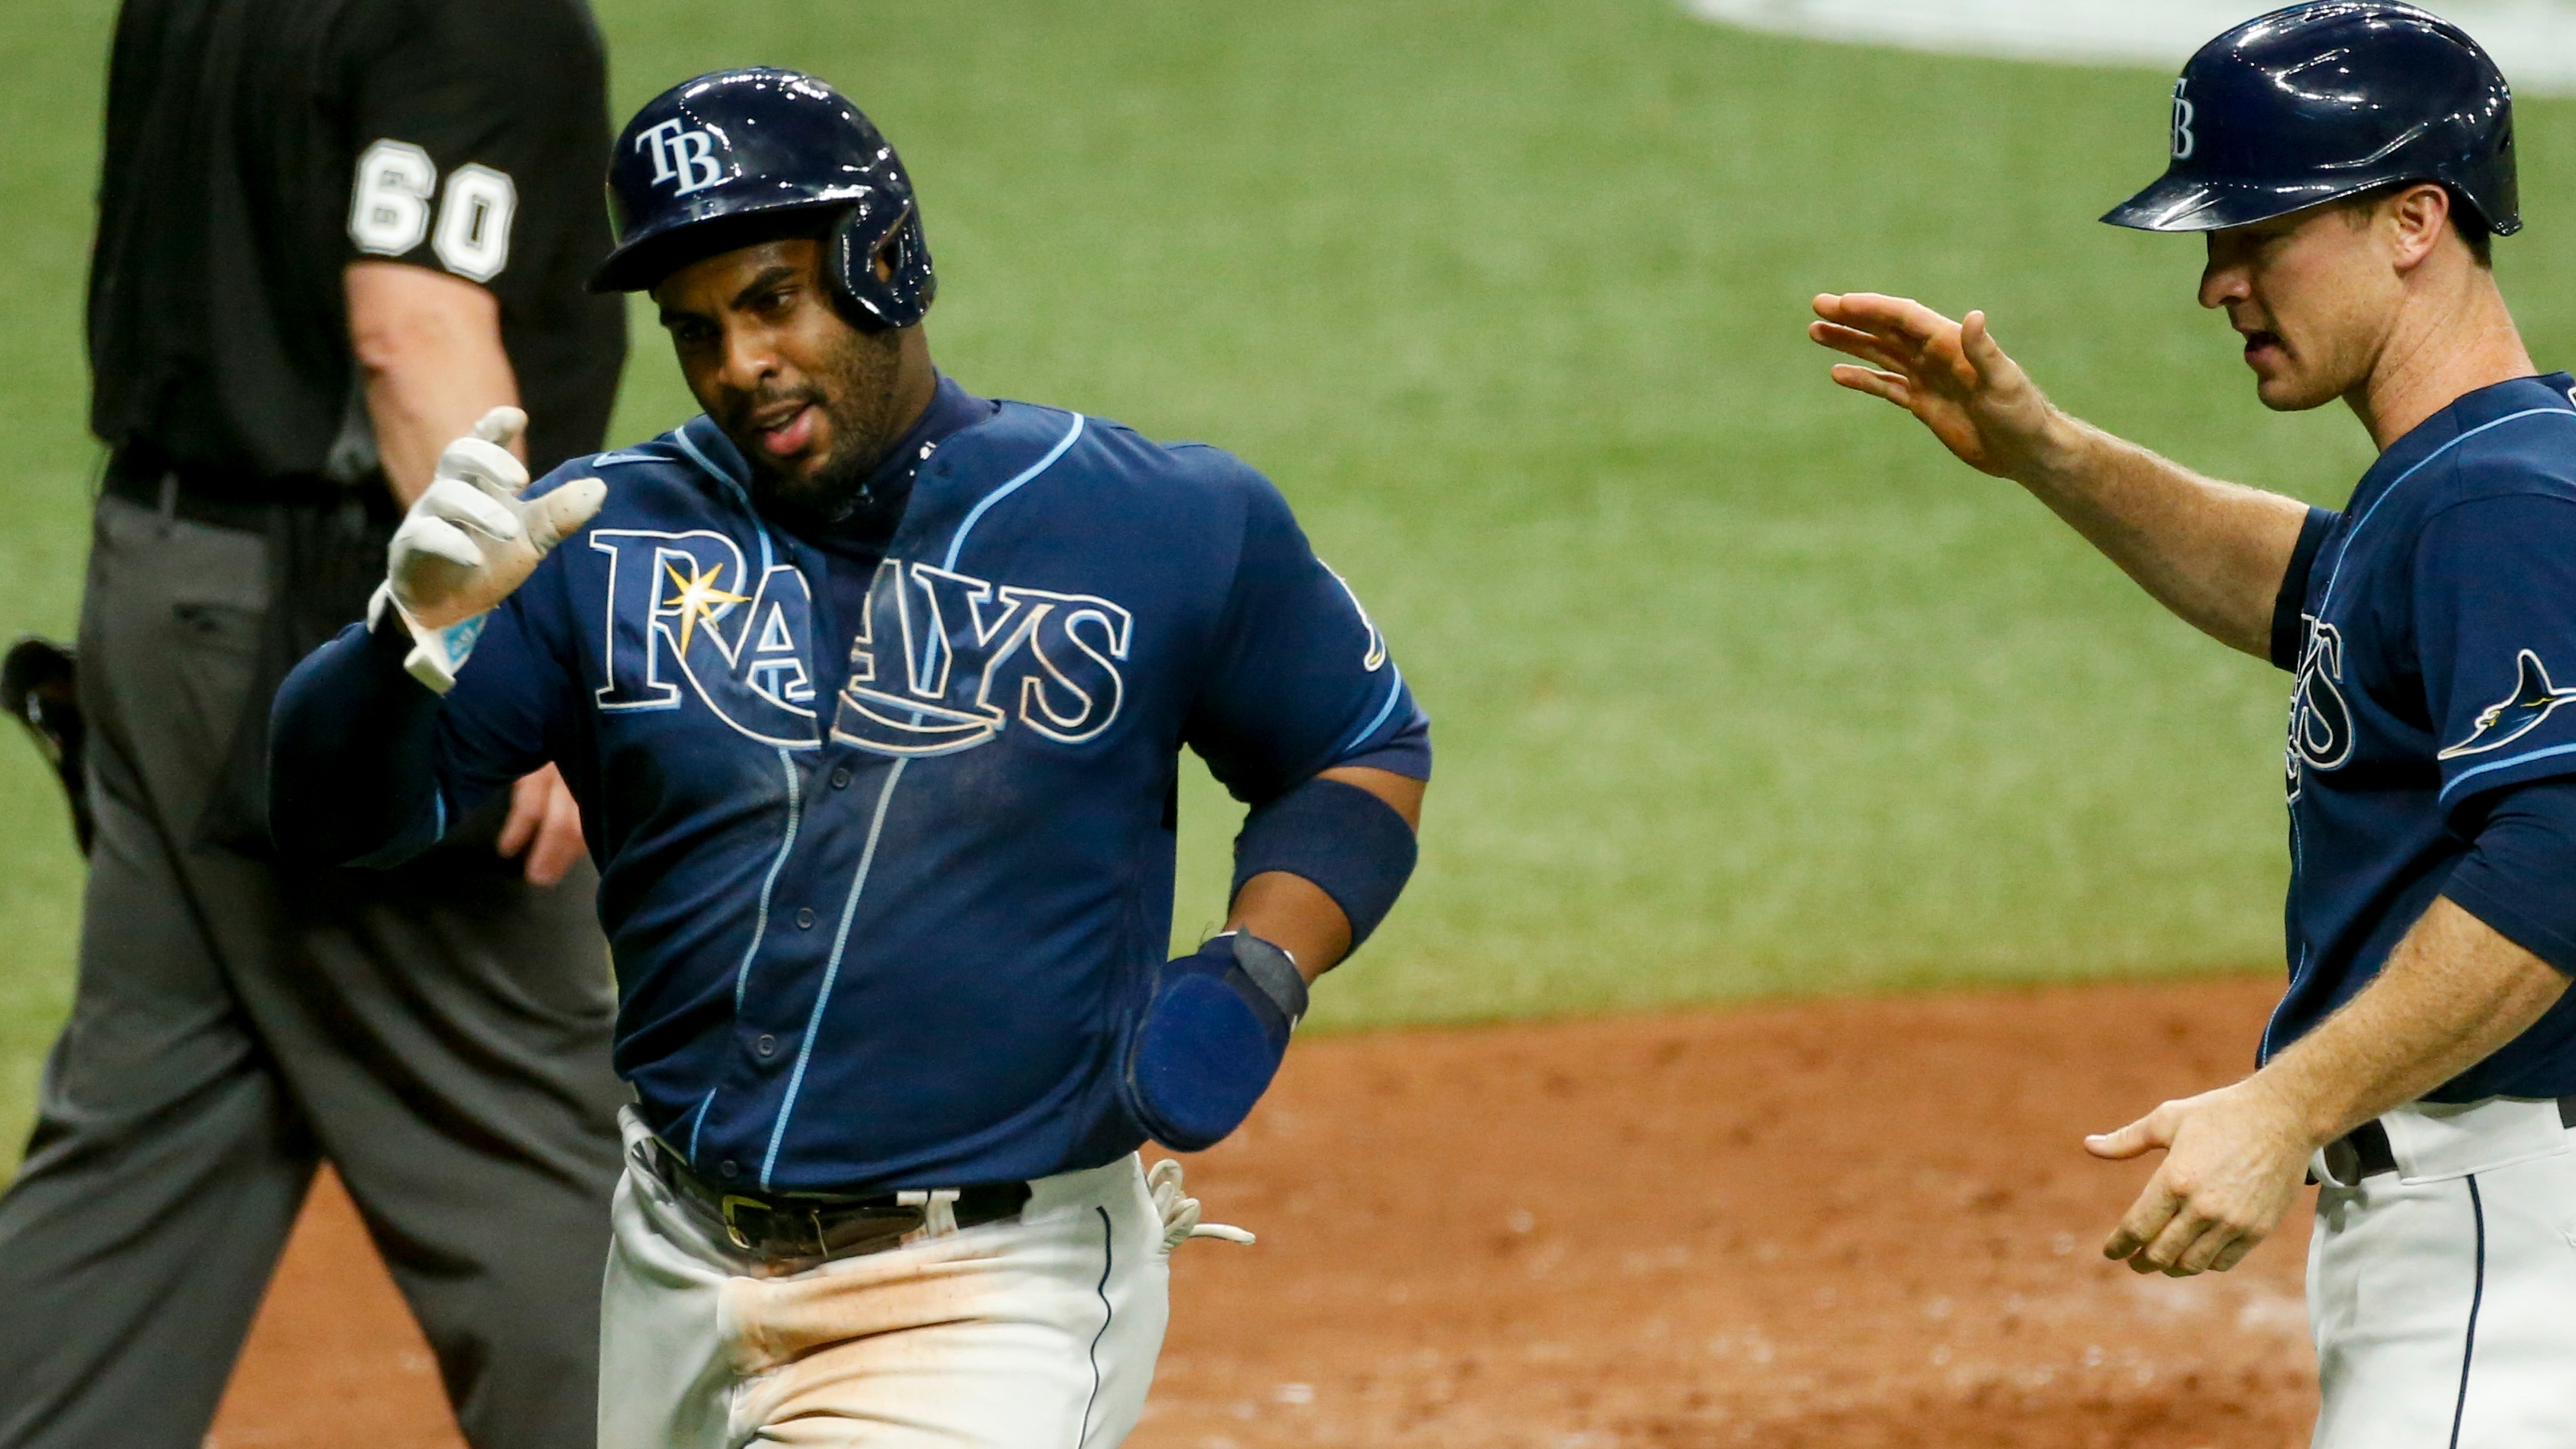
[(812, 401), (2313, 295)]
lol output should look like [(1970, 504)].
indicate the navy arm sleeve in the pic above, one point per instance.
[(1299, 680), (367, 766), (2520, 878), (2495, 634), (351, 746), (2290, 606)]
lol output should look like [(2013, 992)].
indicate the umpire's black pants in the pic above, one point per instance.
[(440, 1033)]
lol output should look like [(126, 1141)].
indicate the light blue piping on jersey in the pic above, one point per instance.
[(2337, 576), (831, 973), (680, 436), (876, 827), (741, 494), (1006, 490), (1394, 692), (2522, 759), (698, 1123), (930, 646), (768, 883)]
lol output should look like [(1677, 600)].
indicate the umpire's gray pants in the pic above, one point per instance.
[(440, 1033)]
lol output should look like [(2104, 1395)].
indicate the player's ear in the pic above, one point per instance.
[(888, 253), (2422, 214)]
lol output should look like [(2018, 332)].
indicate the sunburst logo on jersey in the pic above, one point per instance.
[(696, 595)]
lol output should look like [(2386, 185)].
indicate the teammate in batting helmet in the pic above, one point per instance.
[(736, 156), (2327, 100)]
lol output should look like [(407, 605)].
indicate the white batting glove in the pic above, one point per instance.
[(469, 541), (1180, 1213)]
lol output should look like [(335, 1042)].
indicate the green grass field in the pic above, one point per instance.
[(1740, 687)]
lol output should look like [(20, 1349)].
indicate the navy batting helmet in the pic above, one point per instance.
[(729, 158), (2327, 100)]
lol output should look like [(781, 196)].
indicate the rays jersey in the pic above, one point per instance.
[(2432, 625), (884, 890)]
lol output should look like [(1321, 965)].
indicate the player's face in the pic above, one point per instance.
[(2313, 295), (811, 400)]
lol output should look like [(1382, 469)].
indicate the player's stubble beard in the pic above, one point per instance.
[(856, 385)]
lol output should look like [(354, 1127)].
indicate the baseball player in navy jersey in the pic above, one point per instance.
[(872, 691), (2348, 163)]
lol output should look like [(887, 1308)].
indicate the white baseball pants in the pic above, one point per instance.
[(1039, 1333), (2443, 1295)]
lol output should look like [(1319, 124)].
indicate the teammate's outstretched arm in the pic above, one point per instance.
[(2454, 991), (2214, 553)]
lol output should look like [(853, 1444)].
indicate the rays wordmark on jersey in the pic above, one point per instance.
[(2320, 735), (943, 661)]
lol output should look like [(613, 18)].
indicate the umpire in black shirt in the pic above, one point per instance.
[(331, 234)]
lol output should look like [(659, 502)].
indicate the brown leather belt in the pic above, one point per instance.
[(789, 1227), (2372, 1155)]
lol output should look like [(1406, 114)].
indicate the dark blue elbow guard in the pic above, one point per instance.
[(1212, 1038)]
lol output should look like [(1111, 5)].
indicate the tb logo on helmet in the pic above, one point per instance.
[(2184, 142), (687, 157)]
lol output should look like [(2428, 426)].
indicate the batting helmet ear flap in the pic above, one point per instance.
[(898, 299)]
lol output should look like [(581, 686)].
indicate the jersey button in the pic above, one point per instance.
[(804, 918), (767, 1045), (841, 778), (727, 1170)]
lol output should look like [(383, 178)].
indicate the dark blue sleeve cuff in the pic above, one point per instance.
[(1407, 752), (352, 778), (2520, 879)]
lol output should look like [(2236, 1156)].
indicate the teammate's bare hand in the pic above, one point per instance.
[(546, 823), (1951, 375), (2234, 1161)]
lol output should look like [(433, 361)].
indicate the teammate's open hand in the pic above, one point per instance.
[(469, 539), (545, 822), (2234, 1160), (1951, 375)]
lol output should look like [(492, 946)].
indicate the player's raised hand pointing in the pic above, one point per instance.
[(470, 539), (1951, 375)]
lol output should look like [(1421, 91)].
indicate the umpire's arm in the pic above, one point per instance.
[(428, 347)]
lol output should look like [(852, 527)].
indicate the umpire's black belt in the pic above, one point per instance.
[(2373, 1156), (790, 1226), (139, 474)]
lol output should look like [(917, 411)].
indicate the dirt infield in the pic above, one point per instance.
[(1850, 1223)]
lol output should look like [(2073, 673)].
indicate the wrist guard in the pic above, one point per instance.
[(436, 654)]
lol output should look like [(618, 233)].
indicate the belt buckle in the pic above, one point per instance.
[(773, 1240), (725, 1208)]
